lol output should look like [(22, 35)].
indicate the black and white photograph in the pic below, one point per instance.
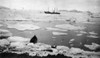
[(49, 28)]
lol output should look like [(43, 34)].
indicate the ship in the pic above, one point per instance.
[(51, 12), (48, 12)]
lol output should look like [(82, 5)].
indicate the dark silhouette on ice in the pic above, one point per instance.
[(97, 49), (34, 39), (53, 46), (4, 37), (48, 12)]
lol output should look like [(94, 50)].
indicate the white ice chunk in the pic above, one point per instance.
[(93, 33), (59, 33), (4, 42), (18, 39), (70, 27), (92, 36), (75, 50), (71, 40), (83, 32), (57, 29), (93, 46), (79, 34), (5, 33), (24, 26), (18, 44)]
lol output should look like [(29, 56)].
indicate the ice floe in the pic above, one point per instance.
[(79, 34), (4, 42), (83, 32), (18, 39), (75, 50), (94, 46), (71, 40), (56, 29), (93, 33), (93, 36), (59, 33), (5, 34), (23, 26), (17, 44), (70, 27)]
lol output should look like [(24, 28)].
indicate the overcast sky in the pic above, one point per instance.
[(84, 5)]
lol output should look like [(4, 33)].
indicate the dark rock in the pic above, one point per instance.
[(3, 37), (53, 46), (97, 49), (34, 39)]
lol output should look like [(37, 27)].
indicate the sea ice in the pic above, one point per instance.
[(93, 33), (79, 34), (56, 29), (18, 44), (18, 39), (40, 49), (4, 42), (5, 34), (93, 46), (70, 27), (76, 50), (59, 33), (24, 26), (92, 36), (71, 40)]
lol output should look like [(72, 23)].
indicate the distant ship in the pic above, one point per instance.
[(51, 12), (48, 12)]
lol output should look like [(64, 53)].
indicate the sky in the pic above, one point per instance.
[(83, 5)]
